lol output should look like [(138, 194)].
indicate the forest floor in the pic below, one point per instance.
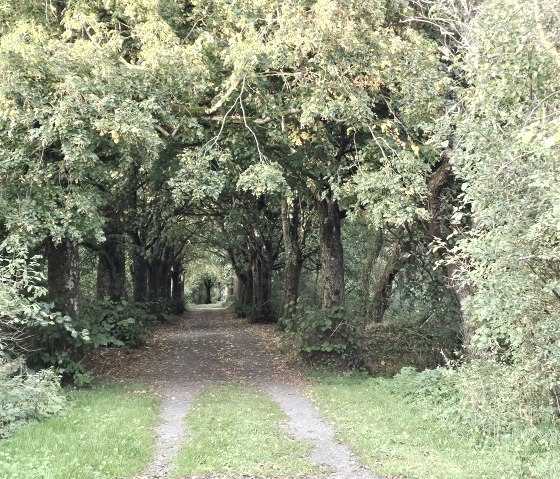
[(209, 347)]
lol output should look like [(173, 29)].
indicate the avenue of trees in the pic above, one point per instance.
[(357, 167)]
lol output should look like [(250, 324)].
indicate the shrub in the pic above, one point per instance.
[(118, 324), (242, 310), (28, 323), (461, 394), (102, 323), (322, 335), (392, 346), (431, 387), (25, 395), (497, 398)]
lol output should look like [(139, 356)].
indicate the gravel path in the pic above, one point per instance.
[(211, 346), (305, 424)]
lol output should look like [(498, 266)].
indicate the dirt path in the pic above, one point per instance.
[(211, 346)]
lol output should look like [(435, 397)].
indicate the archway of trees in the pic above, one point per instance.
[(346, 164)]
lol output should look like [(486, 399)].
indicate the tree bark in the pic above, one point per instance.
[(293, 254), (111, 269), (140, 277), (436, 182), (153, 279), (262, 288), (332, 257), (384, 284), (365, 276), (63, 277), (208, 286), (178, 288), (164, 281), (243, 288)]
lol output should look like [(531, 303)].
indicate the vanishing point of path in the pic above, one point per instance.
[(210, 346)]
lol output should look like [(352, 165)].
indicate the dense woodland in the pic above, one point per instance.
[(380, 177)]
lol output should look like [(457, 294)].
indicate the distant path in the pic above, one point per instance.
[(210, 346)]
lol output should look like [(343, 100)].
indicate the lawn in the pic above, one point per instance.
[(393, 437), (105, 433), (236, 430)]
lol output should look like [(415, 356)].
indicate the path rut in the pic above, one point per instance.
[(211, 346)]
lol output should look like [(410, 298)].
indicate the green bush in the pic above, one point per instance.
[(392, 346), (509, 405), (102, 323), (118, 324), (242, 310), (321, 335), (25, 395), (436, 385), (462, 396)]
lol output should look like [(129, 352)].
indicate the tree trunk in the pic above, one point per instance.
[(111, 267), (384, 284), (164, 279), (243, 288), (436, 183), (236, 289), (140, 277), (262, 289), (293, 254), (178, 289), (165, 274), (365, 276), (154, 284), (208, 286), (63, 278), (332, 258)]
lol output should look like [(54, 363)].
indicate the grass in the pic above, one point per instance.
[(393, 437), (235, 430), (105, 432)]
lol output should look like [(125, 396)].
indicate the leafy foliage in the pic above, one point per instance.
[(506, 154), (118, 324), (26, 396), (319, 335), (397, 160)]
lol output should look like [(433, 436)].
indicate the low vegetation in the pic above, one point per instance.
[(411, 426), (104, 433), (26, 396), (235, 430)]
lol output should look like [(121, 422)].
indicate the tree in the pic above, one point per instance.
[(506, 154)]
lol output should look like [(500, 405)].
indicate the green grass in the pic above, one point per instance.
[(235, 430), (104, 433), (393, 437)]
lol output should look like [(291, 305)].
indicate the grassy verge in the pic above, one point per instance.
[(236, 430), (393, 437), (104, 433)]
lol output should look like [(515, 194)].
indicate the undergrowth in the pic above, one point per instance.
[(26, 396)]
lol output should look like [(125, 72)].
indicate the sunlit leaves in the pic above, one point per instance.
[(508, 157), (262, 178)]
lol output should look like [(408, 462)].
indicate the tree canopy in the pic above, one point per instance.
[(341, 167)]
